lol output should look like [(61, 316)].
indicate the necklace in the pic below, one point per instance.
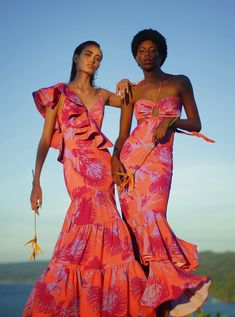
[(160, 86)]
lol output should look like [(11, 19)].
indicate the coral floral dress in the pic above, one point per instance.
[(93, 271), (144, 199)]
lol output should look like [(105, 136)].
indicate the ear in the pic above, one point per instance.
[(76, 58)]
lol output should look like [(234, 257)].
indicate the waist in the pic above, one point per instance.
[(146, 119)]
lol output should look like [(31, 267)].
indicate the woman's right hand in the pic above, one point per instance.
[(117, 167), (36, 197)]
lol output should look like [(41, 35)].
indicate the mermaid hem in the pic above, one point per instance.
[(187, 304), (185, 292), (171, 262)]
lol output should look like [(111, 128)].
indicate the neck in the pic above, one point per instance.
[(81, 81), (153, 77)]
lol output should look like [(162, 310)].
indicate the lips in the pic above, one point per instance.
[(147, 61)]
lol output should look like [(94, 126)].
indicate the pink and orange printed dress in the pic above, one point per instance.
[(143, 199), (93, 271)]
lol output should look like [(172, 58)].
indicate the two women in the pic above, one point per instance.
[(93, 271)]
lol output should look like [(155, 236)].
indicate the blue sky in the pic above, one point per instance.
[(37, 42)]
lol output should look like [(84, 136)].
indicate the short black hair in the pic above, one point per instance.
[(152, 35)]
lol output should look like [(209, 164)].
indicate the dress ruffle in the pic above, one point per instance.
[(171, 260), (49, 97), (162, 244), (82, 124), (108, 286), (186, 292)]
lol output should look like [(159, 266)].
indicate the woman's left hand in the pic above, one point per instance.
[(123, 89), (160, 132)]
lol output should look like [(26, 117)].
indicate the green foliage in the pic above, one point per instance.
[(21, 273), (220, 267)]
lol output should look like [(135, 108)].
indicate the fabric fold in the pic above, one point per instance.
[(185, 292), (87, 269), (74, 114)]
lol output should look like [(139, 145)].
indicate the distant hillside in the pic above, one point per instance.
[(21, 273), (220, 267)]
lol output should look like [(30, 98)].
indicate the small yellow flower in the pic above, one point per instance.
[(36, 248)]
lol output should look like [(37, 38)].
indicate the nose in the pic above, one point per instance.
[(93, 60), (146, 53)]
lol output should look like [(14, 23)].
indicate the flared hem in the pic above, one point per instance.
[(189, 303), (170, 261), (183, 291), (72, 291), (92, 273)]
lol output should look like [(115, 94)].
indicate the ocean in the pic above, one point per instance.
[(13, 298)]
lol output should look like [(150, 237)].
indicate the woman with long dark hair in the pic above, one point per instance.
[(93, 271)]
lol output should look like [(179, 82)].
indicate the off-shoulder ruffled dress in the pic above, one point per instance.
[(144, 199), (93, 271)]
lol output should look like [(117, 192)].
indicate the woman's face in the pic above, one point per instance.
[(89, 60), (147, 56)]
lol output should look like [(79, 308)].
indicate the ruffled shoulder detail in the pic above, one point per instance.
[(47, 97), (74, 115), (82, 121)]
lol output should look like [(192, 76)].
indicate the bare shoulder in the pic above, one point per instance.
[(110, 98), (183, 81), (135, 89), (177, 79), (104, 93), (137, 92)]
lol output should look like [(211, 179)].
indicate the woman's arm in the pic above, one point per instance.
[(43, 147), (110, 98), (124, 131), (193, 122), (114, 100)]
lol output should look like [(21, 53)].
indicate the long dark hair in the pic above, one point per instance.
[(78, 51)]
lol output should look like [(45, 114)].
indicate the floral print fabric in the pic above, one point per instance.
[(93, 271), (144, 206)]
